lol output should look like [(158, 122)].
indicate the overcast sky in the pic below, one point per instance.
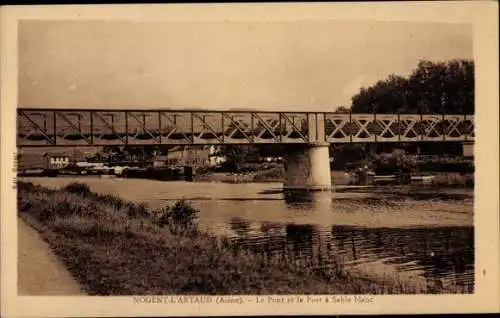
[(297, 65)]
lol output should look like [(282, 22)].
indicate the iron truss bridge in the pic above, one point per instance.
[(84, 127)]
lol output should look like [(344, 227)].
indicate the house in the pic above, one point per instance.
[(194, 155), (57, 162)]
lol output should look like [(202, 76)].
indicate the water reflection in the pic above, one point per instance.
[(441, 254), (318, 201), (311, 198), (445, 253), (240, 226), (270, 227)]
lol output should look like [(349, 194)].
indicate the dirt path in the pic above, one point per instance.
[(39, 270)]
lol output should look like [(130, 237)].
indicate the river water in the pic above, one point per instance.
[(417, 235)]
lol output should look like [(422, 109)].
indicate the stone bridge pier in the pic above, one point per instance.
[(307, 167)]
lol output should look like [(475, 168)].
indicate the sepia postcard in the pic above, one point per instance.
[(256, 159)]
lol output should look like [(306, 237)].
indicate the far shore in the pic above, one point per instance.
[(339, 178)]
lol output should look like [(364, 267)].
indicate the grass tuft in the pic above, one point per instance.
[(77, 188)]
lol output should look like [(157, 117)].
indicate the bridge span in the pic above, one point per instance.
[(306, 135)]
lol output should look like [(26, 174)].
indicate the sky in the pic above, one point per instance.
[(316, 65)]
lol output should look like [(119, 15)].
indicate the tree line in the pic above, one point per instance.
[(432, 88)]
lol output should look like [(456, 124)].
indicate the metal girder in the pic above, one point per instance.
[(80, 127), (70, 130), (341, 128), (236, 130), (32, 127), (141, 127)]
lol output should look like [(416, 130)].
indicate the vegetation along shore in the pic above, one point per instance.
[(114, 247)]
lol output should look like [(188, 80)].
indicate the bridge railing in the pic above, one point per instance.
[(45, 127)]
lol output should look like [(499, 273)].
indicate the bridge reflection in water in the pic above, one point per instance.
[(435, 256)]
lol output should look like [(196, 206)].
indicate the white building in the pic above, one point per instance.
[(58, 162)]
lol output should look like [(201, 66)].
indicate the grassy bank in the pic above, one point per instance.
[(113, 247)]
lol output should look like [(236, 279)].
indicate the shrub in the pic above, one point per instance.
[(133, 210), (203, 170), (271, 174), (77, 188), (137, 210), (179, 218), (110, 199), (26, 186), (398, 160), (46, 213)]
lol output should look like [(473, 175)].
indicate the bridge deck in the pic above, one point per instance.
[(84, 127)]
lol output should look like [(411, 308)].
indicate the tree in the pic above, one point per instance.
[(269, 150), (235, 155), (384, 97), (398, 160), (345, 155), (442, 87), (164, 149), (112, 149), (342, 110)]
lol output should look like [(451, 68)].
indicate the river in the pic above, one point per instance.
[(414, 235)]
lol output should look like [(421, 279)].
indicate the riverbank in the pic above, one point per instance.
[(273, 174), (115, 247), (339, 178)]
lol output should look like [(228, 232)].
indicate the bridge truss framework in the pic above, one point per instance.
[(98, 127)]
